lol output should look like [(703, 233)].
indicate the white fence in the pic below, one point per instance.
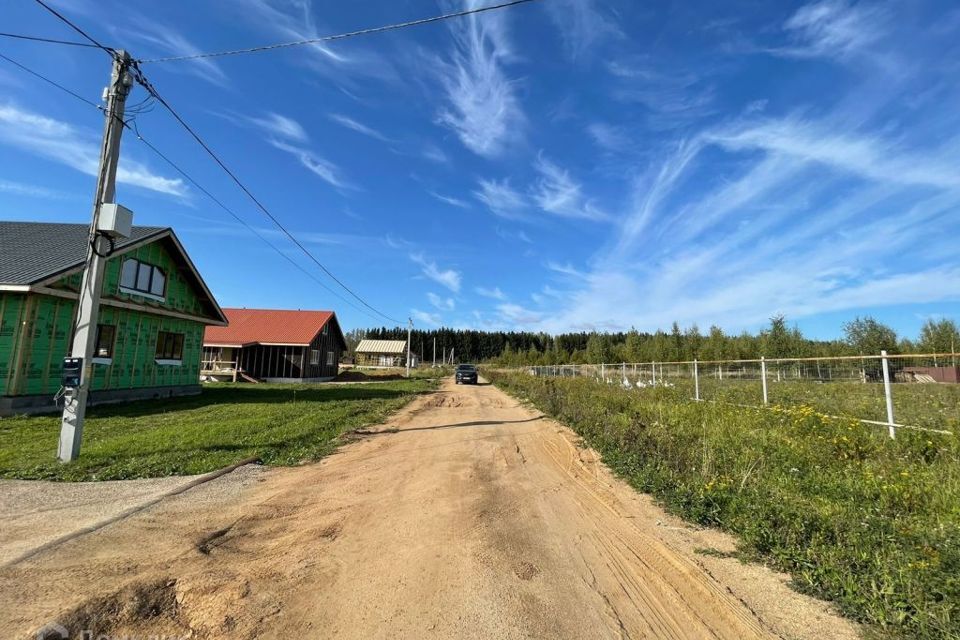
[(923, 390)]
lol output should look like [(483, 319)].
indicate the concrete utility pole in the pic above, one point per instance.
[(409, 328), (434, 352), (88, 304)]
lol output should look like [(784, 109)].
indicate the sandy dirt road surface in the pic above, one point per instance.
[(467, 515)]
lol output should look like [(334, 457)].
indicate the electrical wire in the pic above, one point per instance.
[(49, 81), (340, 36), (151, 89), (131, 125), (67, 21), (72, 43)]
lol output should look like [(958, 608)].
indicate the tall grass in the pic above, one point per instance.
[(870, 523)]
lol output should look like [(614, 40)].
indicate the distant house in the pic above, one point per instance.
[(274, 345), (381, 353), (153, 312)]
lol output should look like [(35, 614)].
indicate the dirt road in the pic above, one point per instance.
[(466, 516)]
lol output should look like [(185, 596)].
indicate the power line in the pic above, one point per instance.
[(49, 81), (67, 21), (72, 43), (140, 78), (132, 126), (340, 36)]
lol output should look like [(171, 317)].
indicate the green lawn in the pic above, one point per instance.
[(280, 424), (870, 523)]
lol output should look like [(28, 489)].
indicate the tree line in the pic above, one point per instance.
[(865, 336)]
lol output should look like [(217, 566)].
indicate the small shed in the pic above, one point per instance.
[(381, 353)]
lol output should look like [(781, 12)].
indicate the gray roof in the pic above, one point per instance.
[(382, 346), (33, 251)]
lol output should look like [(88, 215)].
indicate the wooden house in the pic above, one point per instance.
[(153, 311), (274, 345), (381, 353)]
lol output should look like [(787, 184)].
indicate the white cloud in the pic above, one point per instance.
[(500, 197), (833, 29), (424, 317), (447, 277), (608, 137), (359, 127), (566, 269), (75, 148), (171, 42), (516, 314), (494, 293), (869, 156), (557, 193), (456, 202), (443, 304), (281, 127), (324, 169), (582, 24), (31, 190), (434, 154), (483, 108)]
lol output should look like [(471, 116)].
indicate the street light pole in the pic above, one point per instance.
[(88, 303)]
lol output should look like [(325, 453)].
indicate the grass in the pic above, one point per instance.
[(280, 424), (870, 523)]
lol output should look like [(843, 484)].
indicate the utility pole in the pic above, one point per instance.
[(434, 352), (88, 304), (409, 328)]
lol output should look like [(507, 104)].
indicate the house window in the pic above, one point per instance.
[(314, 357), (326, 329), (329, 358), (103, 347), (140, 277), (169, 346)]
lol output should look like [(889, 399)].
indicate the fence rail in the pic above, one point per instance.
[(923, 390)]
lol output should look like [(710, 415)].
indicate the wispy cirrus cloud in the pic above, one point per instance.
[(31, 190), (426, 318), (77, 148), (482, 106), (449, 278), (288, 135), (455, 202), (443, 304), (582, 24), (172, 42), (494, 293), (500, 197), (556, 192), (359, 127), (833, 29)]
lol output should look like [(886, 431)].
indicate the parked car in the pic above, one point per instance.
[(466, 374)]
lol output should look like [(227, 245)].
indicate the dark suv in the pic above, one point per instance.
[(466, 374)]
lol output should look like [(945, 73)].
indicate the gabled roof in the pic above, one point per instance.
[(34, 251), (382, 346), (34, 254), (270, 326)]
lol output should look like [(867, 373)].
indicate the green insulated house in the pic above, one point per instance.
[(153, 312)]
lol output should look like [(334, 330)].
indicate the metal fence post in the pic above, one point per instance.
[(763, 374), (653, 369), (603, 373), (888, 393), (696, 380)]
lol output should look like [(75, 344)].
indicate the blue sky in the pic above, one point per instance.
[(562, 165)]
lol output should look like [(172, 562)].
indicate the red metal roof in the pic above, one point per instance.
[(267, 326)]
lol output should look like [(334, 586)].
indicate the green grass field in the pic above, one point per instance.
[(932, 406), (870, 523), (280, 424)]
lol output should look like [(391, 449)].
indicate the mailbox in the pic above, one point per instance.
[(72, 373)]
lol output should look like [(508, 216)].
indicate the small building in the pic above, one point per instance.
[(153, 311), (381, 353), (274, 345)]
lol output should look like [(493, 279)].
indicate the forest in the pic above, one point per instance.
[(778, 340)]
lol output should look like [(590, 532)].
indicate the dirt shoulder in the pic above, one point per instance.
[(466, 515)]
